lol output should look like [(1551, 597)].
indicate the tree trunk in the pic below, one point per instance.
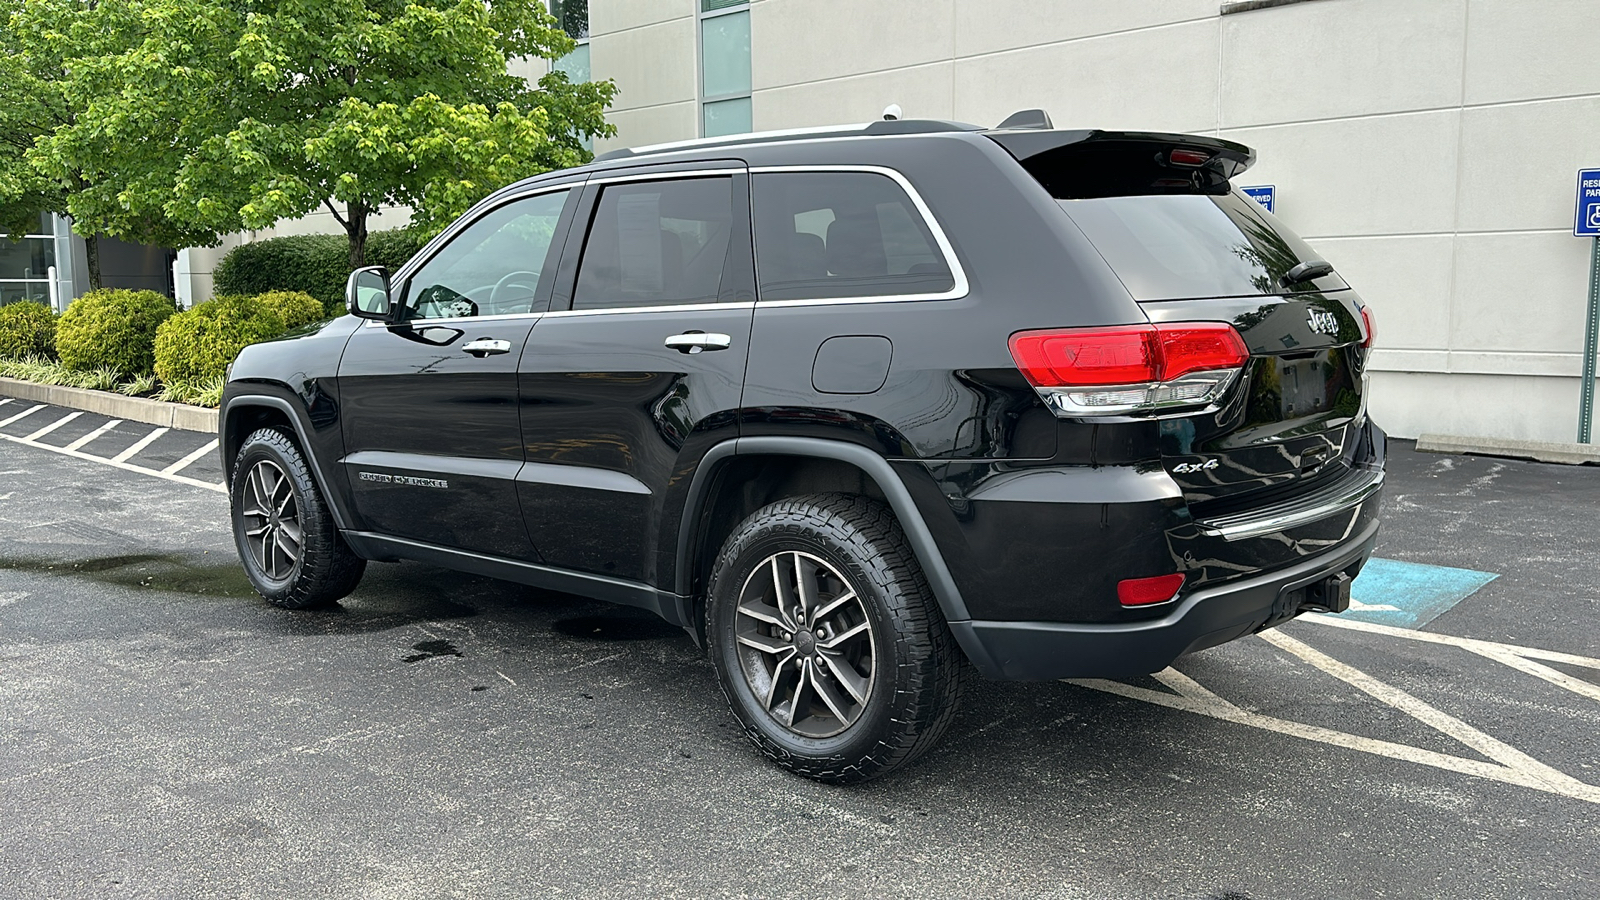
[(91, 246), (355, 227)]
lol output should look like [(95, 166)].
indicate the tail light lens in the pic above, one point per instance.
[(1369, 326), (1130, 368)]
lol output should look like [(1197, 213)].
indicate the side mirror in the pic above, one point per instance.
[(367, 293)]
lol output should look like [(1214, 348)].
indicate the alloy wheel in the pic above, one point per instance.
[(805, 644), (272, 528)]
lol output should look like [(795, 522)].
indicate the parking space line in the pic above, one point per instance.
[(189, 460), (138, 445), (52, 426), (1475, 645), (4, 401), (118, 464), (27, 412), (78, 444)]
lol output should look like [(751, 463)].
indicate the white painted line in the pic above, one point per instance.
[(126, 467), (27, 412), (138, 445), (52, 426), (3, 402), (189, 460), (1486, 648), (1557, 678), (78, 444), (1437, 719)]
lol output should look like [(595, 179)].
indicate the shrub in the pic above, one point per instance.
[(112, 329), (27, 329), (295, 308), (318, 264), (199, 343)]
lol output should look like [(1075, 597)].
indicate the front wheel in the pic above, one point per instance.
[(827, 640), (287, 540)]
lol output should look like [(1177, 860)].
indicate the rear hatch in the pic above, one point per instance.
[(1161, 212)]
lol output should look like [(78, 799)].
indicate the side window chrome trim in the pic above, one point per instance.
[(957, 291), (505, 317), (661, 308), (669, 175)]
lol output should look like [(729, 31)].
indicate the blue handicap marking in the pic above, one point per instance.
[(1264, 194), (1586, 211), (1409, 595)]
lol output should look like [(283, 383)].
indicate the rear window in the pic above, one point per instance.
[(1183, 246)]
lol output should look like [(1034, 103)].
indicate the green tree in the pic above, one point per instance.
[(48, 92), (252, 111)]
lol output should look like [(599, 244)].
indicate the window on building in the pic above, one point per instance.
[(822, 235), (25, 264), (661, 243), (572, 16), (724, 67)]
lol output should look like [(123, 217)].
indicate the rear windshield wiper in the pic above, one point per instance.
[(1306, 271)]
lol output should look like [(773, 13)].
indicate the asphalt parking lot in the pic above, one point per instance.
[(168, 734)]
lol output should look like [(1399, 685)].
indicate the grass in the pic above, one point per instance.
[(39, 370)]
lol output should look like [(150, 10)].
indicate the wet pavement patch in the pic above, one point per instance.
[(430, 649), (1410, 595), (162, 572), (618, 627)]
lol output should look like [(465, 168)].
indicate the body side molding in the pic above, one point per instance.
[(876, 467)]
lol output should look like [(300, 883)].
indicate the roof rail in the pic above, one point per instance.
[(889, 126)]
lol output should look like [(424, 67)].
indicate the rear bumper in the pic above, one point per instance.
[(1021, 651)]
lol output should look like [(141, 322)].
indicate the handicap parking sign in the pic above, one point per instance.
[(1586, 221), (1264, 194)]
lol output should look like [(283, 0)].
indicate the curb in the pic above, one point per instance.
[(1538, 451), (129, 409)]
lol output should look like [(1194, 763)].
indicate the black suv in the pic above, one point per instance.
[(855, 407)]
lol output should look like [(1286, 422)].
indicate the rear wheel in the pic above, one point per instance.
[(287, 540), (827, 640)]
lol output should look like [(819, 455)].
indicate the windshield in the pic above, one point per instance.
[(1184, 246)]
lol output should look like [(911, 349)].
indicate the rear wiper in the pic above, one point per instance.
[(1306, 271)]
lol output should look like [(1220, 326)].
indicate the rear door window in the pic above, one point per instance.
[(827, 235), (1185, 246), (657, 243)]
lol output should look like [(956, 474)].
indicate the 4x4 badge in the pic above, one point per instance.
[(1191, 468), (1323, 321)]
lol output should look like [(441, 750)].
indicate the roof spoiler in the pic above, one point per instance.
[(1083, 163)]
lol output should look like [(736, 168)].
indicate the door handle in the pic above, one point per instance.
[(696, 341), (486, 347)]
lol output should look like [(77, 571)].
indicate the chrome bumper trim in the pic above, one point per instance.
[(1330, 501)]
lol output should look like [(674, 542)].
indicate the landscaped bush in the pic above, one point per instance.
[(318, 264), (27, 329), (295, 308), (199, 343), (112, 329)]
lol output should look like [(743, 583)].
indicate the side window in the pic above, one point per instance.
[(657, 243), (495, 266), (824, 235)]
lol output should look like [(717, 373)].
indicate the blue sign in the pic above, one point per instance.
[(1263, 194), (1586, 220)]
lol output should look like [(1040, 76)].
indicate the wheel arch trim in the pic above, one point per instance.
[(871, 464), (224, 427)]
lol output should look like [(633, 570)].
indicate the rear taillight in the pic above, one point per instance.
[(1369, 326), (1148, 591), (1130, 368)]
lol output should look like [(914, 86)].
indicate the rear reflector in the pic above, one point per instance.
[(1369, 326), (1146, 591), (1129, 368)]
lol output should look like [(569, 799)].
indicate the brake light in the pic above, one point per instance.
[(1181, 157), (1130, 368), (1148, 591), (1369, 326)]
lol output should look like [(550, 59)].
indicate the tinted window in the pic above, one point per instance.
[(1182, 246), (657, 243), (842, 234), (495, 266)]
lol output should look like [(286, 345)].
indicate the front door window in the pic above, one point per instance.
[(496, 266)]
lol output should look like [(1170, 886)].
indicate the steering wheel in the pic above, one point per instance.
[(506, 280)]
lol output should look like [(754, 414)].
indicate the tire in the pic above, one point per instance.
[(883, 679), (322, 569)]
